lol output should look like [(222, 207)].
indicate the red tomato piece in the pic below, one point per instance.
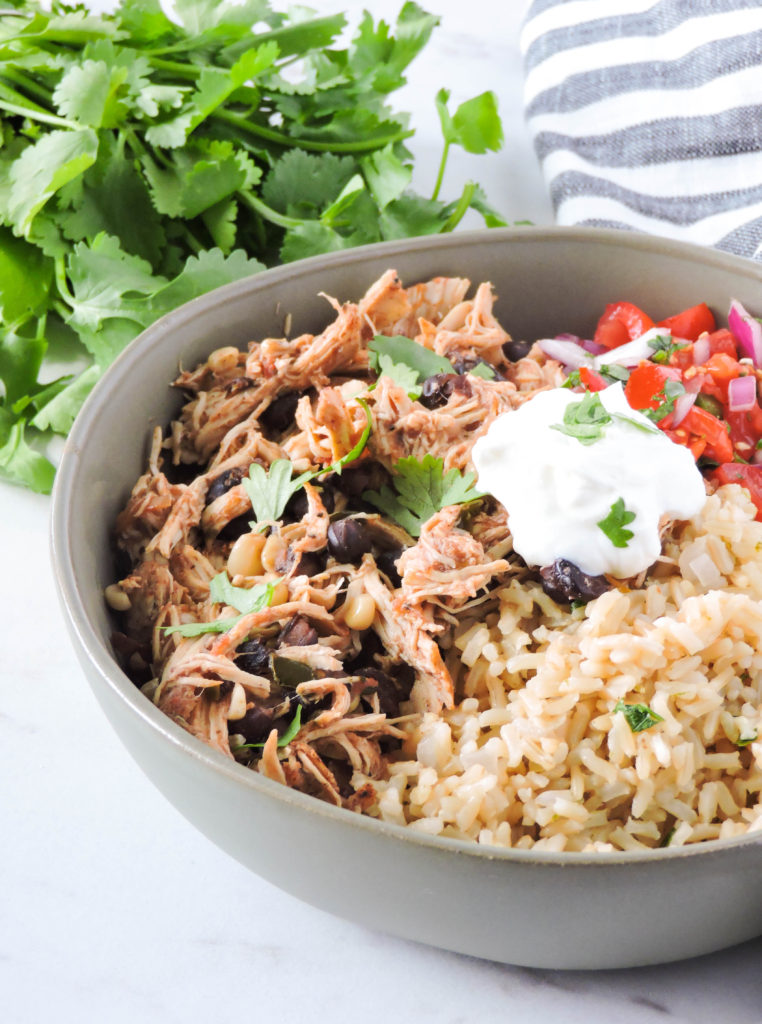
[(723, 341), (745, 429), (691, 322), (646, 382), (749, 477), (702, 424), (591, 380), (621, 322)]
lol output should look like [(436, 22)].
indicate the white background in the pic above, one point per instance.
[(113, 909)]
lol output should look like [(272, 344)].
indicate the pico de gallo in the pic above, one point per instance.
[(696, 381)]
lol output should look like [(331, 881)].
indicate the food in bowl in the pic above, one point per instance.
[(316, 583)]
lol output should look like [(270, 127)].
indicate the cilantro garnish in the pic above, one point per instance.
[(663, 347), (243, 599), (269, 490), (584, 420), (744, 741), (146, 160), (285, 739), (573, 380), (422, 489), (613, 372), (666, 397), (189, 629), (639, 717), (483, 370), (405, 361), (615, 522)]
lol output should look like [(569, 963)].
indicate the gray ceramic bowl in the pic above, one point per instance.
[(517, 906)]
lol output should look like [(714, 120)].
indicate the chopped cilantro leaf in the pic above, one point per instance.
[(639, 717), (584, 420), (189, 629), (422, 489), (406, 352), (269, 490), (285, 739), (666, 397), (613, 373), (615, 522), (401, 374), (663, 347), (483, 370), (573, 380), (243, 599)]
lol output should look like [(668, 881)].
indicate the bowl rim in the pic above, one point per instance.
[(142, 708)]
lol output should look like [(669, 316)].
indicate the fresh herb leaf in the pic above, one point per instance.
[(190, 629), (613, 373), (269, 490), (663, 347), (573, 380), (422, 489), (406, 352), (483, 370), (615, 522), (402, 374), (744, 741), (283, 740), (584, 420), (666, 397), (244, 599), (638, 716)]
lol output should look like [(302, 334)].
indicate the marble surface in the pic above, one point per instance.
[(112, 908)]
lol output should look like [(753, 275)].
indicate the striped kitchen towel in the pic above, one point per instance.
[(648, 115)]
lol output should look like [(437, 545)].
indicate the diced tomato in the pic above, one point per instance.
[(691, 441), (621, 322), (745, 429), (645, 384), (702, 424), (690, 323), (723, 341), (682, 357), (720, 369), (749, 477), (591, 380)]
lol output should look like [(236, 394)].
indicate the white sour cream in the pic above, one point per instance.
[(557, 490)]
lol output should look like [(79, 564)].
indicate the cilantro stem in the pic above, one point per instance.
[(189, 72), (40, 91), (61, 283), (440, 174), (33, 112), (267, 212), (298, 142), (460, 208)]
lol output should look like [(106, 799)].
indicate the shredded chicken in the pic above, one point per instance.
[(330, 633)]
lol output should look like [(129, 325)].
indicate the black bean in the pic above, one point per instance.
[(515, 350), (386, 563), (388, 697), (565, 581), (437, 389), (296, 506), (368, 476), (236, 527), (371, 646), (223, 483), (298, 633), (349, 539), (182, 473), (255, 725), (310, 563), (252, 656), (279, 415)]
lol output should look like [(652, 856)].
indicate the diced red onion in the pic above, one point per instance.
[(590, 346), (683, 406), (569, 337), (567, 352), (633, 352), (701, 350), (747, 331), (742, 393)]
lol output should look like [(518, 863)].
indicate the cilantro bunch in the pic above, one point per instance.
[(144, 162)]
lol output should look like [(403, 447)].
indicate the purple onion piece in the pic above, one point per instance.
[(683, 406), (742, 393), (747, 331), (567, 352), (701, 350)]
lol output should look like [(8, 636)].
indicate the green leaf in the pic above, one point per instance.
[(386, 175), (311, 239), (666, 396), (404, 351), (210, 269), (21, 463), (197, 179), (615, 522), (20, 361), (89, 93), (476, 124), (584, 420), (638, 716), (410, 216), (244, 599), (423, 488), (58, 414), (190, 629), (402, 374), (44, 168), (302, 184), (483, 370), (287, 736), (25, 276), (269, 490), (663, 347)]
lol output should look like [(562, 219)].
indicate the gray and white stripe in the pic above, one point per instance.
[(648, 115)]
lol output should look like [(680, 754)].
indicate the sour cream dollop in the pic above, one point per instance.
[(557, 490)]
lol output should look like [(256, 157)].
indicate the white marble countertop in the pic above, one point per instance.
[(114, 909)]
